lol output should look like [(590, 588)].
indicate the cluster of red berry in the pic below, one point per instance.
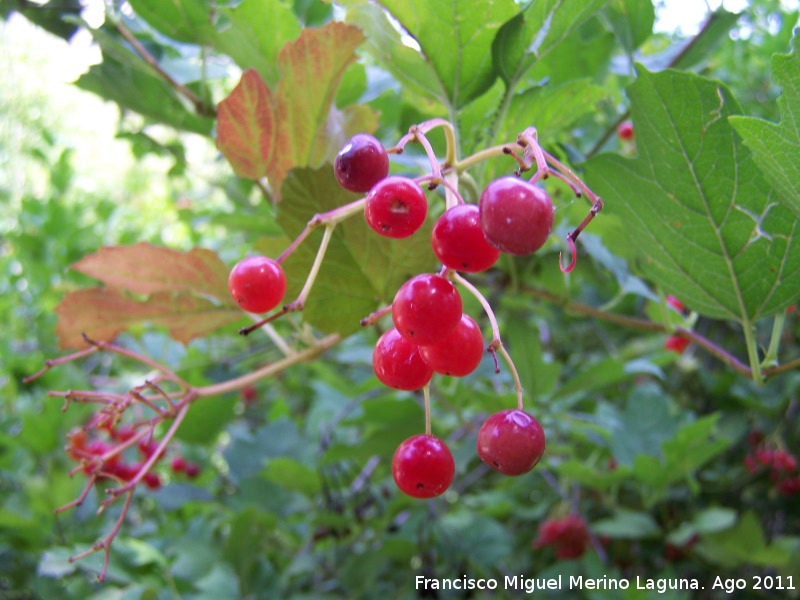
[(103, 459), (781, 464), (430, 332), (676, 343), (568, 535)]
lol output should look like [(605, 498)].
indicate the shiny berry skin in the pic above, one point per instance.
[(398, 363), (460, 353), (625, 130), (426, 309), (361, 163), (458, 241), (511, 442), (257, 284), (423, 466), (396, 207), (516, 216)]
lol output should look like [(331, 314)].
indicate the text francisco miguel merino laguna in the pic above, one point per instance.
[(530, 585)]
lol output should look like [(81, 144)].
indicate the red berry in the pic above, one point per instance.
[(625, 130), (152, 480), (569, 535), (122, 433), (361, 163), (784, 461), (423, 466), (257, 283), (458, 354), (516, 216), (148, 448), (124, 471), (398, 363), (426, 309), (676, 343), (396, 207), (675, 303), (192, 470), (249, 394), (178, 464), (511, 442), (458, 241), (789, 486)]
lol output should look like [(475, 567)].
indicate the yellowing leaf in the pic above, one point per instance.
[(102, 313), (186, 292), (312, 67), (246, 126), (144, 269), (265, 132)]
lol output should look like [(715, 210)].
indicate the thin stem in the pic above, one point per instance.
[(450, 137), (315, 267), (436, 172), (54, 362), (199, 105), (480, 156), (426, 394), (269, 370), (496, 346), (483, 301), (771, 359), (752, 352), (155, 456)]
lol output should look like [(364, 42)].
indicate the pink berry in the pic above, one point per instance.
[(511, 442), (516, 216)]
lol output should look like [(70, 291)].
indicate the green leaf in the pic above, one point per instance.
[(627, 524), (534, 32), (127, 80), (706, 521), (182, 20), (461, 59), (254, 33), (693, 445), (715, 31), (593, 476), (361, 270), (293, 475), (776, 146), (202, 424), (631, 21), (383, 42), (707, 225), (741, 545), (551, 108), (57, 20), (648, 421)]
